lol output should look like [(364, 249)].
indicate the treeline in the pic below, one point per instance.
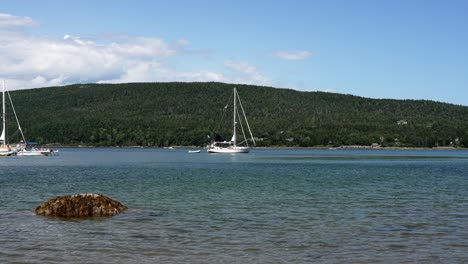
[(164, 114)]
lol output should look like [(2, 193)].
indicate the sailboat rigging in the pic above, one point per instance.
[(5, 148), (21, 149), (232, 146)]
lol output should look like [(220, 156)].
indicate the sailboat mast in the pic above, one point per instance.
[(3, 137), (234, 132)]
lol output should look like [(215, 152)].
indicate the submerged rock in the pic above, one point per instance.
[(80, 205)]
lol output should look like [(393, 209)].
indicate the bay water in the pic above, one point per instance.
[(268, 206)]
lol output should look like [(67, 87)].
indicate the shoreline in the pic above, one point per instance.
[(354, 147)]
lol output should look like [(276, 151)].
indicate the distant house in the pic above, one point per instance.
[(402, 122)]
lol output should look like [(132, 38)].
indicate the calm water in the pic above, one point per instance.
[(269, 206)]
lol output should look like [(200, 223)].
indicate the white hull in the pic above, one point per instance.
[(229, 150), (29, 154), (6, 153), (37, 153), (194, 151)]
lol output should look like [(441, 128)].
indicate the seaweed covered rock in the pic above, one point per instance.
[(80, 205)]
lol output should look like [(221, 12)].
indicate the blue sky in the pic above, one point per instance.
[(378, 49)]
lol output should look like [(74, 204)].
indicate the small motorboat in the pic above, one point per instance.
[(194, 151)]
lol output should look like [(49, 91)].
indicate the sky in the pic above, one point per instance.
[(379, 49)]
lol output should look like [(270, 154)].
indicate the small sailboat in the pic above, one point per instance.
[(232, 146), (5, 148), (22, 149)]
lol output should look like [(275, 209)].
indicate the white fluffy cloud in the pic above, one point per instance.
[(29, 61), (292, 55), (247, 74)]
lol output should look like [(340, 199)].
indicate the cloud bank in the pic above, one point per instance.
[(29, 61)]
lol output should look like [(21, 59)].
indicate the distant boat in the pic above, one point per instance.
[(5, 148), (22, 149), (194, 151), (33, 151), (232, 146)]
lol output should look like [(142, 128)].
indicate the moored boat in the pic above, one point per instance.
[(23, 148), (232, 147), (5, 148), (38, 152)]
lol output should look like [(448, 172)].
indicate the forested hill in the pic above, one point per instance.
[(163, 114)]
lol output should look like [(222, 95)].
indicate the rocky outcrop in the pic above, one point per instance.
[(80, 205)]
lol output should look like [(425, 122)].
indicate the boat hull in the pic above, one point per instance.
[(30, 154), (37, 153), (231, 150), (6, 153)]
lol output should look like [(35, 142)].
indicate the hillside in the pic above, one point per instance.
[(162, 114)]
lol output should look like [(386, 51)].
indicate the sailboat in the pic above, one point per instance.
[(5, 149), (21, 149), (232, 146)]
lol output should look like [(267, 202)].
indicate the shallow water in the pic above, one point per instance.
[(268, 206)]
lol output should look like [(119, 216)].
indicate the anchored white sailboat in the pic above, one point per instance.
[(233, 146), (21, 149), (5, 149)]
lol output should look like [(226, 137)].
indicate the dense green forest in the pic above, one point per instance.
[(164, 114)]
